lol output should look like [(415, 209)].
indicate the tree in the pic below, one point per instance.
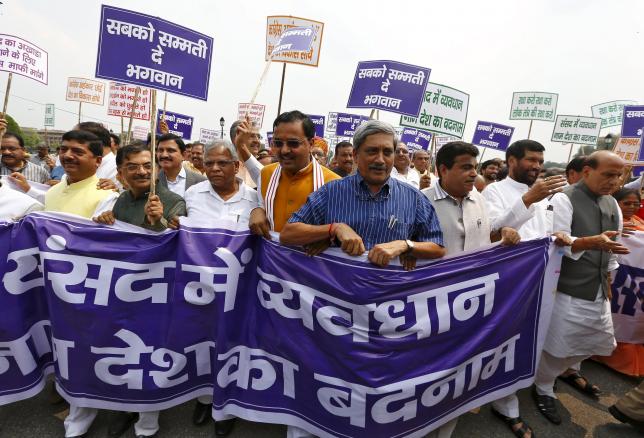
[(12, 125), (31, 138)]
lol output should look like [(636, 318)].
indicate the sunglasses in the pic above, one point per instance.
[(292, 143)]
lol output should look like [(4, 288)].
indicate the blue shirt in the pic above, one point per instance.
[(57, 172), (397, 212)]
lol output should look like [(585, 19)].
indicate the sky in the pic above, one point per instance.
[(587, 51)]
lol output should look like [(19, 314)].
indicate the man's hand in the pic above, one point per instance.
[(509, 236), (315, 248), (408, 261), (562, 239), (425, 181), (153, 209), (382, 253), (52, 182), (350, 242), (543, 188), (20, 180), (106, 184), (603, 242), (163, 128), (244, 135), (50, 162), (105, 218), (258, 223), (3, 123), (173, 223)]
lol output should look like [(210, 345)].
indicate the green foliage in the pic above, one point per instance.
[(32, 139), (12, 125)]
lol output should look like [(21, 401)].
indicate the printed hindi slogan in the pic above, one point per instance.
[(416, 139), (576, 129), (346, 124), (178, 124), (633, 121), (390, 86), (207, 136), (23, 58), (276, 25), (144, 50), (533, 105), (129, 327), (121, 100), (85, 90), (444, 111), (319, 123), (492, 135), (611, 112), (255, 112)]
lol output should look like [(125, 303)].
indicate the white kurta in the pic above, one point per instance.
[(579, 327), (506, 209), (411, 177)]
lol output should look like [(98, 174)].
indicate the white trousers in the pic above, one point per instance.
[(80, 419), (508, 406), (549, 368), (296, 432)]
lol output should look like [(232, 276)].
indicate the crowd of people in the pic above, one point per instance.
[(372, 197)]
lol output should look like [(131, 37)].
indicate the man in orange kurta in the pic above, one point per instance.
[(284, 186)]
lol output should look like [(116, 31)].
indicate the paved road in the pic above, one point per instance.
[(583, 417)]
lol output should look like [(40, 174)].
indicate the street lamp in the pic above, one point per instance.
[(222, 122)]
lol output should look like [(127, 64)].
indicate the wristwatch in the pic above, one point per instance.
[(410, 246)]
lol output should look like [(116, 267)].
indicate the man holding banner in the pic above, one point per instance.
[(581, 324), (284, 186), (354, 210)]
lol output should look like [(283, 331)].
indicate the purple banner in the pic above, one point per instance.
[(348, 123), (416, 139), (389, 85), (492, 135), (319, 122), (380, 354), (633, 121), (179, 124), (638, 170), (269, 138), (144, 50)]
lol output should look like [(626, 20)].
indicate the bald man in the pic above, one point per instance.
[(581, 325)]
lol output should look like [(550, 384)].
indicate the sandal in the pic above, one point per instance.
[(512, 422), (546, 405), (586, 388)]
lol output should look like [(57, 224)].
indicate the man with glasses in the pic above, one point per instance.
[(284, 186), (136, 206), (14, 161), (401, 170)]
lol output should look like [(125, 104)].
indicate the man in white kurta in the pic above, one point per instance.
[(581, 324), (520, 201), (223, 197)]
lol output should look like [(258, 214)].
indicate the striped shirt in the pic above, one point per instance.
[(31, 171), (396, 212)]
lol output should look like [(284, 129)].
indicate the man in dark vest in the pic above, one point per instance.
[(581, 324)]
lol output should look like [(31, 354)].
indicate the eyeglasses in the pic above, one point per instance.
[(292, 143), (133, 167), (318, 154), (631, 204), (219, 163)]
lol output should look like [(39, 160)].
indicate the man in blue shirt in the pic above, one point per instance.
[(369, 210)]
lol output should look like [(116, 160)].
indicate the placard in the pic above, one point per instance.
[(255, 112), (23, 58), (121, 99), (144, 50), (492, 135), (629, 149), (85, 90), (390, 86), (275, 27), (534, 105), (416, 139), (611, 112), (633, 121), (576, 129), (348, 123), (444, 111), (50, 115), (209, 135), (178, 124), (319, 123)]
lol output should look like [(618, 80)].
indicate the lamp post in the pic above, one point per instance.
[(222, 122)]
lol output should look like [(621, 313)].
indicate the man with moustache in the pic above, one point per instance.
[(370, 211), (490, 171), (136, 205), (343, 158), (420, 158), (197, 157), (520, 202), (401, 170), (284, 186), (173, 175), (574, 169), (13, 160)]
